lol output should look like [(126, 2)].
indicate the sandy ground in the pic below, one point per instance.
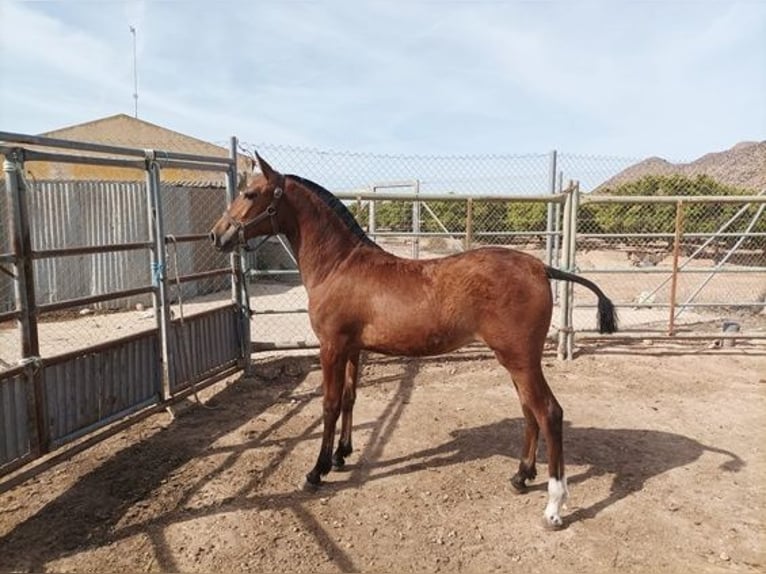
[(664, 446)]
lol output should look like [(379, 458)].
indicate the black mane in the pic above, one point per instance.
[(337, 206)]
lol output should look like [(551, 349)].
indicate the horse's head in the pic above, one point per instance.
[(253, 212)]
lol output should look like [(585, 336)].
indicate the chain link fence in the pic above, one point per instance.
[(434, 206), (435, 224), (679, 266), (430, 206), (480, 175)]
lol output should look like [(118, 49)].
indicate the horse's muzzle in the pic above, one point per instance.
[(225, 241)]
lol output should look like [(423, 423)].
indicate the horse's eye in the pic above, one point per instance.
[(252, 194)]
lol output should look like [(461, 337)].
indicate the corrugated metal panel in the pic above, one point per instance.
[(14, 434), (72, 214), (79, 213), (202, 343), (87, 390), (88, 213)]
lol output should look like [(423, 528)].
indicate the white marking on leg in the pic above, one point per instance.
[(557, 495)]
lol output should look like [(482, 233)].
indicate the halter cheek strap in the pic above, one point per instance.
[(270, 212)]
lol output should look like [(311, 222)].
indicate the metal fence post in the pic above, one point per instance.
[(158, 269), (416, 223), (556, 262), (549, 227), (371, 224), (674, 276), (239, 291), (564, 287), (22, 249), (572, 265), (469, 223), (24, 291)]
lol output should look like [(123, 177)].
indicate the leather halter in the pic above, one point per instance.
[(269, 212)]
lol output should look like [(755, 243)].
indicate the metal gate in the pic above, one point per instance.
[(111, 301)]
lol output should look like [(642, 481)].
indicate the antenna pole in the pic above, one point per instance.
[(135, 73)]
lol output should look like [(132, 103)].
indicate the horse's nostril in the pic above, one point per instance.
[(213, 237)]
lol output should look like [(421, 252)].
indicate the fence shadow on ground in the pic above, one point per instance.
[(87, 514), (91, 513)]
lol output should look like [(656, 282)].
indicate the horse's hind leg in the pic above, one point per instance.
[(345, 447), (539, 405), (527, 462)]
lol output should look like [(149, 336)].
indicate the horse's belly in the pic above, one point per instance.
[(414, 342)]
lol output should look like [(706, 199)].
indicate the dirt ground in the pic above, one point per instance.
[(664, 447)]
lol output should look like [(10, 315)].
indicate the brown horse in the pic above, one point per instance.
[(361, 297)]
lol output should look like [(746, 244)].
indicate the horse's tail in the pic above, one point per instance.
[(607, 315)]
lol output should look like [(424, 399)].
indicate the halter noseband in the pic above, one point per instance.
[(270, 212)]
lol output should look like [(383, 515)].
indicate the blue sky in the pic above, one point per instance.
[(676, 79)]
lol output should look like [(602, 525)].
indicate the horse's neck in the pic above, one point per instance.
[(319, 238)]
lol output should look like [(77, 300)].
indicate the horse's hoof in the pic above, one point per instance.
[(311, 484), (519, 485), (553, 523), (338, 463), (310, 487)]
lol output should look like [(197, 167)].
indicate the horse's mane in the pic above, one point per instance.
[(337, 206)]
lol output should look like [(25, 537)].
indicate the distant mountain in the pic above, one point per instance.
[(742, 166)]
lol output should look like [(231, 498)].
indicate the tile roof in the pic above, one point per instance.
[(126, 131)]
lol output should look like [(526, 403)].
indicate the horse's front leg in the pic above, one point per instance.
[(345, 447), (333, 363)]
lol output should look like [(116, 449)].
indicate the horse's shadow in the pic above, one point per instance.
[(630, 456)]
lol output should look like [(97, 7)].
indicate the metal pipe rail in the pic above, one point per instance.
[(82, 301), (552, 198), (673, 199), (464, 233), (158, 155), (28, 155), (426, 197), (90, 250), (199, 275), (9, 315)]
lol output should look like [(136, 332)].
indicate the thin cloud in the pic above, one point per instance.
[(624, 78)]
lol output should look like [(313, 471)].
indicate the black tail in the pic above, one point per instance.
[(607, 315)]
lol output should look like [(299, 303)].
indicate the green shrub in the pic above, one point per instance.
[(660, 217)]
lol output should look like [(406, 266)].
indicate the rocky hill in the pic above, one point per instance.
[(742, 166)]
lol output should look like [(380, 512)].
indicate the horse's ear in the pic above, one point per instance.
[(266, 170), (243, 177)]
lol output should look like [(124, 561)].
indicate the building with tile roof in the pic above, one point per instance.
[(126, 131), (82, 205)]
